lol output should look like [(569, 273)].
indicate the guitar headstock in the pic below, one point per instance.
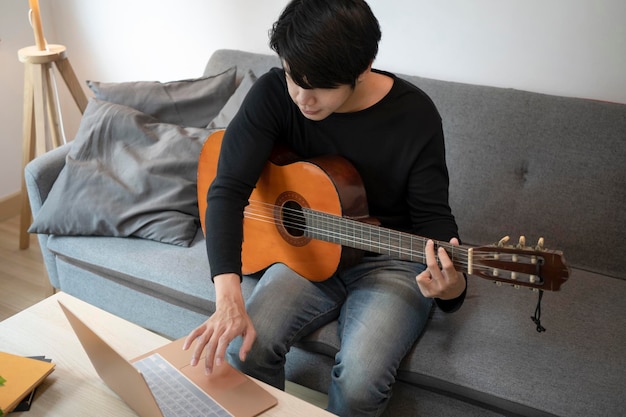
[(520, 265)]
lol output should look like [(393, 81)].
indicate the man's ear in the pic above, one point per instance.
[(362, 76)]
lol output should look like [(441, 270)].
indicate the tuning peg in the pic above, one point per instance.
[(522, 242), (503, 241), (539, 244)]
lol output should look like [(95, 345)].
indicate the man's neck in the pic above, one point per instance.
[(370, 88)]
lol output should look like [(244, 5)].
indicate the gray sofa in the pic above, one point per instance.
[(521, 163)]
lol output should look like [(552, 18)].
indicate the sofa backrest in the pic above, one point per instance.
[(531, 164), (223, 59), (523, 163)]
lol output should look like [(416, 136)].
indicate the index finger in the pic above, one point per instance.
[(431, 258), (199, 338), (191, 337)]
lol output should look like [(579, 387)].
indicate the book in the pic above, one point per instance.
[(21, 375), (24, 405)]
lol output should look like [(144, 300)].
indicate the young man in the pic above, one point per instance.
[(327, 99)]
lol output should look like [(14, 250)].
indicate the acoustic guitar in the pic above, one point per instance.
[(312, 216)]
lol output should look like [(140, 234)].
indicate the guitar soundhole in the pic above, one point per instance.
[(293, 219), (290, 219)]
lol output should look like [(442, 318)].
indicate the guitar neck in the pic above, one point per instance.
[(373, 238)]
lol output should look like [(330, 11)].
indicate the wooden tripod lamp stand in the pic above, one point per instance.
[(40, 106)]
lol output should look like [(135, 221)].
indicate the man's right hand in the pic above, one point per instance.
[(229, 321)]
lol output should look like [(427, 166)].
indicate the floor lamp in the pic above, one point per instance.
[(40, 106)]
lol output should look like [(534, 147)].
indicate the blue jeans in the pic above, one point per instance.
[(380, 312)]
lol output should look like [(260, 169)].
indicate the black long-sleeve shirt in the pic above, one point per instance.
[(396, 145)]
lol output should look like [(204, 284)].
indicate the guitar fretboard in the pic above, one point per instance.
[(373, 238)]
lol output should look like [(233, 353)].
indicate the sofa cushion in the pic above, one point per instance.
[(193, 102), (491, 353), (126, 175), (222, 120), (490, 350)]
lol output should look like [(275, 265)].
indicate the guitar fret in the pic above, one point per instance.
[(397, 243)]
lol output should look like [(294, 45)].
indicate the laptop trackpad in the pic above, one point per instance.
[(223, 377), (225, 384), (232, 389)]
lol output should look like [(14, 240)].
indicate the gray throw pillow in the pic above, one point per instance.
[(193, 102), (126, 174), (231, 107)]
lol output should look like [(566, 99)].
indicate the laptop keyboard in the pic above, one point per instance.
[(176, 395)]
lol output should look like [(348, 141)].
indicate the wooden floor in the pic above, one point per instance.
[(23, 278)]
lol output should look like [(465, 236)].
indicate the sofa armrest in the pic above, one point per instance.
[(41, 173)]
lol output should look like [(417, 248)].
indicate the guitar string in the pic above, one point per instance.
[(330, 220), (260, 216), (264, 212)]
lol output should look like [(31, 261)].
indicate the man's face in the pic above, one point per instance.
[(318, 103)]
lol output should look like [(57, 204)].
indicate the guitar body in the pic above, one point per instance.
[(327, 184)]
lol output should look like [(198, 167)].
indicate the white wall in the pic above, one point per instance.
[(13, 36), (565, 47)]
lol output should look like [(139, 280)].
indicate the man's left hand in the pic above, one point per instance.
[(443, 282)]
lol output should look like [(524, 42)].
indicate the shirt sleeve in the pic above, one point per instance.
[(245, 149), (450, 306)]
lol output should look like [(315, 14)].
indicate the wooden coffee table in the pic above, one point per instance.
[(74, 388)]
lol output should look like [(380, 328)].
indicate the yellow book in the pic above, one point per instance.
[(21, 375)]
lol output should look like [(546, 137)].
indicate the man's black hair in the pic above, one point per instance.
[(326, 43)]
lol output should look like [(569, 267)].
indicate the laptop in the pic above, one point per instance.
[(162, 383)]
